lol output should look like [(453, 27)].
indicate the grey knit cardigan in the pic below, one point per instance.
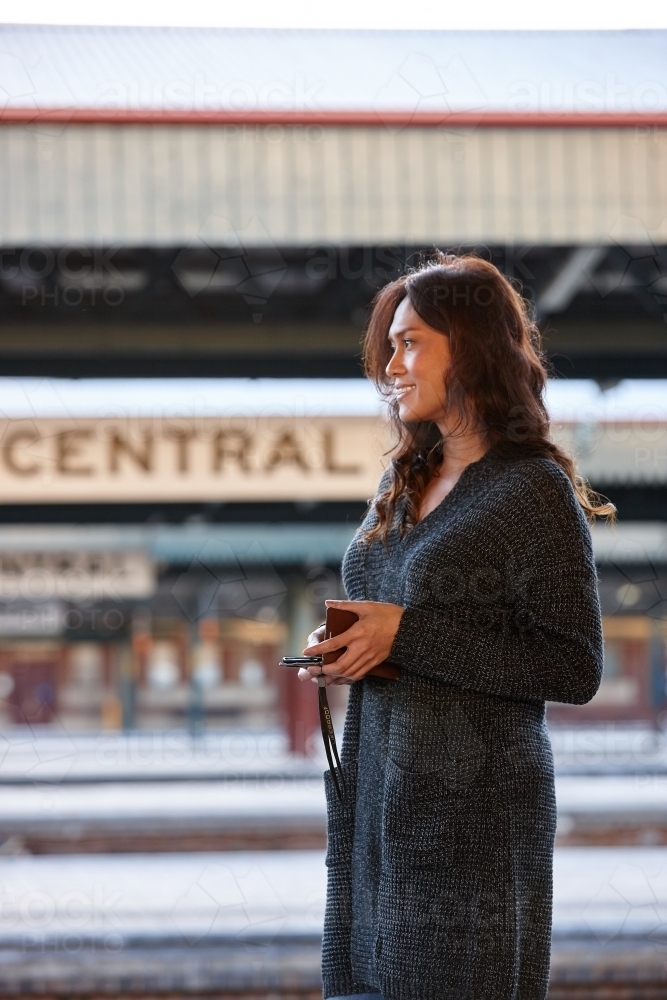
[(440, 857)]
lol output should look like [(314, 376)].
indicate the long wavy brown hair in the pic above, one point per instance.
[(495, 383)]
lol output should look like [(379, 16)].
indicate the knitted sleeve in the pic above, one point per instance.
[(525, 622)]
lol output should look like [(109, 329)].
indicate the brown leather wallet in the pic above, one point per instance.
[(338, 620)]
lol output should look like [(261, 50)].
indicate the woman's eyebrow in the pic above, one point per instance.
[(399, 333)]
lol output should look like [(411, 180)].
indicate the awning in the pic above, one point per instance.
[(280, 544)]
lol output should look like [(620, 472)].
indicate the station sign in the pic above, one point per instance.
[(257, 458), (251, 458), (75, 577), (37, 621)]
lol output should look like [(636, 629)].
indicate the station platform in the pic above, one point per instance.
[(29, 756), (273, 813), (52, 756), (249, 923), (261, 814)]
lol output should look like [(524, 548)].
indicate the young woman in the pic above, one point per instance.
[(472, 572)]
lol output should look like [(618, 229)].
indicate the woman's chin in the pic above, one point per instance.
[(409, 414)]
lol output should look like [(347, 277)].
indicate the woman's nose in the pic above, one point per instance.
[(395, 366)]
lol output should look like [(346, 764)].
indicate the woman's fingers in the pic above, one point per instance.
[(358, 607), (316, 636), (355, 661), (306, 674), (366, 643), (330, 645)]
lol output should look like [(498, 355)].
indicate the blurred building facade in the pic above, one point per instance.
[(226, 204)]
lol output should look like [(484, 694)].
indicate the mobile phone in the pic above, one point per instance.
[(301, 661)]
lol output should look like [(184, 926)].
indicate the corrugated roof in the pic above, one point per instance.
[(311, 71), (272, 185)]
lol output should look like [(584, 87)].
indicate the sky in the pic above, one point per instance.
[(397, 14)]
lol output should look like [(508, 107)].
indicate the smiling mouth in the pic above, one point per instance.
[(401, 390)]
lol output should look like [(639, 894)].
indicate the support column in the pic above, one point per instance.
[(196, 700), (127, 686), (299, 700)]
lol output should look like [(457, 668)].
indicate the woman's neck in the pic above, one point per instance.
[(461, 449)]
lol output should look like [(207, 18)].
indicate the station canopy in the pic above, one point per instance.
[(165, 137)]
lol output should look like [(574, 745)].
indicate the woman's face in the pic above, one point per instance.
[(418, 365)]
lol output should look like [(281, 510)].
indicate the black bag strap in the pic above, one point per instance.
[(329, 737)]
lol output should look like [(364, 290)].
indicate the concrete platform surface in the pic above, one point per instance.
[(32, 755), (52, 755), (234, 923), (609, 748), (605, 893), (163, 816), (275, 813)]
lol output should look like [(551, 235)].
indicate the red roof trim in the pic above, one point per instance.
[(456, 119)]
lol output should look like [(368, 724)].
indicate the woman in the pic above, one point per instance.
[(472, 572)]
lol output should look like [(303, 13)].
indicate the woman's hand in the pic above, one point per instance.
[(368, 641), (314, 638), (304, 674), (317, 635)]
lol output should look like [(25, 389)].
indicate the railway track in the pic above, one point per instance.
[(269, 971), (305, 836), (656, 991)]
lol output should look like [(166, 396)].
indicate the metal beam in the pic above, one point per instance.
[(572, 276)]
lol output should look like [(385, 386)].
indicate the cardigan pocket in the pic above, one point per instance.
[(340, 816), (418, 819)]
